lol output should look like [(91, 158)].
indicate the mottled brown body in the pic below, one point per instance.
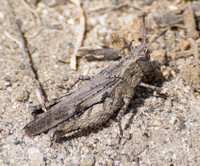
[(96, 101)]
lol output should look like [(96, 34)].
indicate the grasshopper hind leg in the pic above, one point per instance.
[(87, 120), (95, 116)]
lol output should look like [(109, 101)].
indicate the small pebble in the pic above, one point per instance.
[(35, 156)]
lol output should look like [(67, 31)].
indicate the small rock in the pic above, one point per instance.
[(126, 135), (35, 156), (21, 95), (87, 160), (71, 21), (173, 119), (157, 123), (9, 89)]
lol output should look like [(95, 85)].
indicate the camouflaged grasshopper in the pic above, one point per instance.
[(109, 91)]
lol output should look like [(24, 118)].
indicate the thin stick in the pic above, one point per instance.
[(195, 49), (112, 7), (80, 35), (33, 73), (37, 18), (31, 10), (144, 30), (8, 35)]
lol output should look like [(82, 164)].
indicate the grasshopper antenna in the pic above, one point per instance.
[(144, 30), (144, 33), (156, 37)]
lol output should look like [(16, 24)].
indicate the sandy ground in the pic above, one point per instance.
[(162, 130)]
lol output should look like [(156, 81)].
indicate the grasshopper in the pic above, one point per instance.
[(106, 93)]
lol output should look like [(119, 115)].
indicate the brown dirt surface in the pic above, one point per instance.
[(161, 131)]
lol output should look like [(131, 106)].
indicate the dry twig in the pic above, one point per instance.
[(195, 48), (33, 73), (36, 15), (190, 23), (80, 35), (112, 7)]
